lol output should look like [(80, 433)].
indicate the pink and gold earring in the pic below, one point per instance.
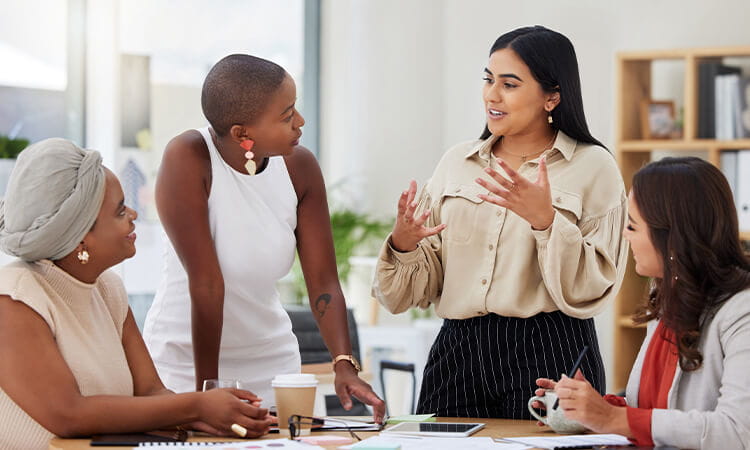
[(250, 165)]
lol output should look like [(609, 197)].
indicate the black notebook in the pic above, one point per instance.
[(133, 439)]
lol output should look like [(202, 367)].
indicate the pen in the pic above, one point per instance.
[(573, 371)]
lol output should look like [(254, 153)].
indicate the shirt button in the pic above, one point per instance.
[(499, 213), (484, 280), (492, 247), (558, 199)]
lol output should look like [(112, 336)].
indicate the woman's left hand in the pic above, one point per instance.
[(530, 200), (582, 403), (349, 384)]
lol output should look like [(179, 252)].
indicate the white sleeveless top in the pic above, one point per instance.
[(252, 221)]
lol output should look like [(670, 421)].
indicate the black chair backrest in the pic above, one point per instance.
[(312, 348)]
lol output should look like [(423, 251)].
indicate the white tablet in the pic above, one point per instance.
[(434, 429)]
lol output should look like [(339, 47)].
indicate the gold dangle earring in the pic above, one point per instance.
[(83, 256), (549, 117)]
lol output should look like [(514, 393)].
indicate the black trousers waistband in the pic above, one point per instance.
[(487, 366)]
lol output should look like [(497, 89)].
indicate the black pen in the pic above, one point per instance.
[(573, 371)]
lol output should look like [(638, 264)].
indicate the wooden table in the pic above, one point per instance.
[(492, 428)]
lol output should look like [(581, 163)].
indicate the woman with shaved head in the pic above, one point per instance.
[(236, 199)]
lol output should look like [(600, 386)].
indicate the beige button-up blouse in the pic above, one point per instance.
[(489, 260)]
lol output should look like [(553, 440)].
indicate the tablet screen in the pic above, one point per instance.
[(435, 428)]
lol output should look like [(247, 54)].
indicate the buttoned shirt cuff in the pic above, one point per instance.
[(404, 258)]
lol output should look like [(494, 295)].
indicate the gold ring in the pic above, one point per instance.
[(239, 430)]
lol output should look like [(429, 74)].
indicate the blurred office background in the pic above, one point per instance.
[(386, 87)]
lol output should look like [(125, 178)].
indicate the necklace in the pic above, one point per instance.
[(525, 156)]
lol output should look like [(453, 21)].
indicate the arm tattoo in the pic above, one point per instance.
[(321, 304)]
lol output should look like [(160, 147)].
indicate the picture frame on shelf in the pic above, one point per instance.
[(657, 119)]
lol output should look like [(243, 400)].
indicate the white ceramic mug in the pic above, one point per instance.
[(555, 418)]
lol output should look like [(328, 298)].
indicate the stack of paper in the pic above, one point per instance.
[(434, 443), (578, 440)]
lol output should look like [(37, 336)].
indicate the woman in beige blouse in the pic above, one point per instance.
[(516, 238)]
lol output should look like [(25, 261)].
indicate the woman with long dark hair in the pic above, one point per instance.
[(689, 387), (516, 238)]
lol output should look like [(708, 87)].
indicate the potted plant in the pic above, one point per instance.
[(354, 234), (9, 150)]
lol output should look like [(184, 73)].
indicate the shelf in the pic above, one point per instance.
[(635, 73), (683, 144), (708, 52)]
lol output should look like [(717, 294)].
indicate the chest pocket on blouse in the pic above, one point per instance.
[(569, 204), (458, 210)]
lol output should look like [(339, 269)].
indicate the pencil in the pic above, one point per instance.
[(575, 368)]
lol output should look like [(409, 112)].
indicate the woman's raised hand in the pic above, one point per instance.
[(409, 230), (530, 200), (219, 409)]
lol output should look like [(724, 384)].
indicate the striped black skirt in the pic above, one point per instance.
[(487, 366)]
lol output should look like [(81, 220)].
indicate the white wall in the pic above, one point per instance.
[(402, 80), (381, 97)]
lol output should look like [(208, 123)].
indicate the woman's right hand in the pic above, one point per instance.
[(545, 384), (218, 409), (409, 230)]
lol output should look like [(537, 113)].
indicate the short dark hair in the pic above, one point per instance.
[(237, 89), (688, 207), (552, 61)]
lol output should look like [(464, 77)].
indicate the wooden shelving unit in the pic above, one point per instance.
[(634, 78)]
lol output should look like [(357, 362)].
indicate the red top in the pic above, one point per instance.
[(659, 367)]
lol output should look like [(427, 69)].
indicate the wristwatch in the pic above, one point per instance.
[(349, 358)]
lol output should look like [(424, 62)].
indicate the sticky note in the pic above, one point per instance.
[(326, 440), (380, 445), (412, 418)]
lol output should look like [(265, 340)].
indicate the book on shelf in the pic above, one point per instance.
[(707, 73), (743, 190), (728, 163), (744, 114)]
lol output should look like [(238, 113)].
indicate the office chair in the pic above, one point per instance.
[(313, 350)]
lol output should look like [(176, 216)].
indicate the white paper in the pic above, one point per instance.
[(440, 443), (571, 440)]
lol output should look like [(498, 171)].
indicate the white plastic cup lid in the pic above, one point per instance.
[(295, 380)]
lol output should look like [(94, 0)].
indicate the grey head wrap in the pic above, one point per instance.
[(53, 198)]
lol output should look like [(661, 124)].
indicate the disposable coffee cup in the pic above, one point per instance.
[(295, 394)]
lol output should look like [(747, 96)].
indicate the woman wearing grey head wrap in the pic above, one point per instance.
[(64, 217)]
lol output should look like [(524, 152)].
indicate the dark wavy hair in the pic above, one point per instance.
[(551, 58), (692, 222)]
